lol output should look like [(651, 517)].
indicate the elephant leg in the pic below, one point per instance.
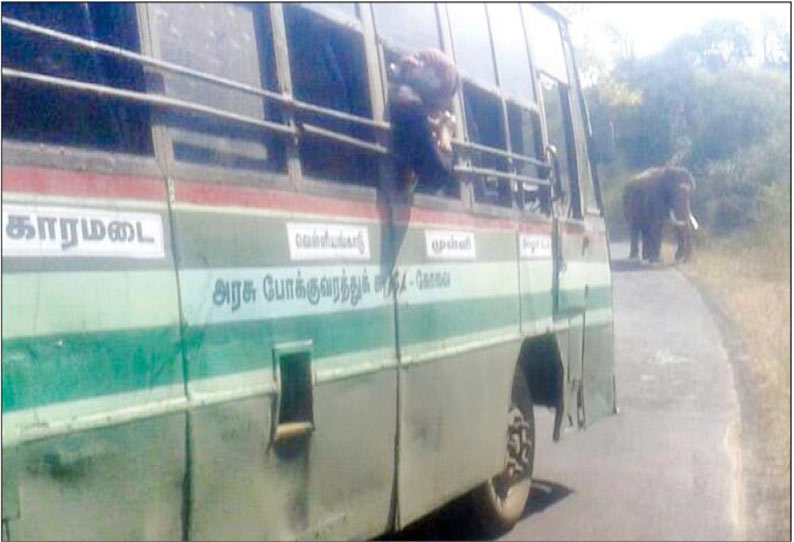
[(635, 240), (655, 231), (646, 243), (681, 250), (684, 250)]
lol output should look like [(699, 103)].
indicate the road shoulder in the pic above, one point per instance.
[(763, 496)]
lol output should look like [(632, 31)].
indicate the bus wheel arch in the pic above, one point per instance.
[(541, 362)]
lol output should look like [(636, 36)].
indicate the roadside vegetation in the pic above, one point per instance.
[(703, 104)]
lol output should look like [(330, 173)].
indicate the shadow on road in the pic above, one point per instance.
[(456, 521), (627, 266), (543, 495)]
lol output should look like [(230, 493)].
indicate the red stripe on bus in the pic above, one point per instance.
[(406, 215), (58, 182), (535, 227), (264, 198), (47, 181), (573, 227)]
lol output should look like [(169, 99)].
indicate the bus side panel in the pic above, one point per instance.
[(336, 487), (599, 366), (93, 391), (585, 296), (121, 482), (572, 273), (458, 325), (336, 481), (536, 276)]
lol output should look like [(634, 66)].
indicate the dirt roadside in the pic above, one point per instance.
[(766, 497)]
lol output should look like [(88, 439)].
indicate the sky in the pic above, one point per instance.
[(652, 26)]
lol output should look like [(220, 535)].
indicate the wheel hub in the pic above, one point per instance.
[(519, 446)]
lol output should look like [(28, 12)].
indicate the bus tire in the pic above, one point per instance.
[(500, 502)]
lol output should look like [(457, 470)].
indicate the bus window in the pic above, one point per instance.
[(230, 41), (49, 114), (524, 132), (580, 136), (413, 26), (544, 36), (342, 10), (472, 41), (524, 128), (510, 48), (329, 69), (558, 125), (485, 126)]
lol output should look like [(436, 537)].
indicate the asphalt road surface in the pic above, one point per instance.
[(668, 465)]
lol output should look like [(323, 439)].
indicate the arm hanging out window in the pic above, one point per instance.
[(423, 86)]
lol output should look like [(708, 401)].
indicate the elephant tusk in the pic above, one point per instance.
[(675, 222), (693, 221)]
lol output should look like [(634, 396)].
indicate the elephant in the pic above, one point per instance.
[(649, 199)]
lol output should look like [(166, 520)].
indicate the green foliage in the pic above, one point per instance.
[(747, 190), (736, 109), (723, 43), (614, 176), (698, 104), (776, 44)]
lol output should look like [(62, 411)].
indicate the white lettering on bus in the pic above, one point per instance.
[(33, 231), (327, 242), (450, 245), (535, 246)]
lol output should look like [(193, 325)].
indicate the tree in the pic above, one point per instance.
[(622, 40), (724, 43), (776, 44)]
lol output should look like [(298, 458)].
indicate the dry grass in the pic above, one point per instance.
[(752, 281)]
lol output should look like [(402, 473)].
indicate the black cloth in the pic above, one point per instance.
[(414, 142)]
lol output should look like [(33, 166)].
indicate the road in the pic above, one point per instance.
[(668, 465)]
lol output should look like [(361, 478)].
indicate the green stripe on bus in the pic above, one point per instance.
[(55, 368), (231, 347), (434, 321), (598, 297), (536, 305)]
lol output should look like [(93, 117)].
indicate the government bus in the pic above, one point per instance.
[(225, 318)]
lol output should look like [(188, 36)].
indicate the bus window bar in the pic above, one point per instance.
[(142, 97), (229, 83), (469, 146), (143, 59), (385, 126), (182, 70), (310, 129), (500, 174), (164, 101)]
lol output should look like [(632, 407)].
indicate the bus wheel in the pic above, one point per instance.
[(502, 499)]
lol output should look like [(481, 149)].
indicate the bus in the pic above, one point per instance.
[(224, 318)]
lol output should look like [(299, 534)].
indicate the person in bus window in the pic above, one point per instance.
[(423, 86)]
